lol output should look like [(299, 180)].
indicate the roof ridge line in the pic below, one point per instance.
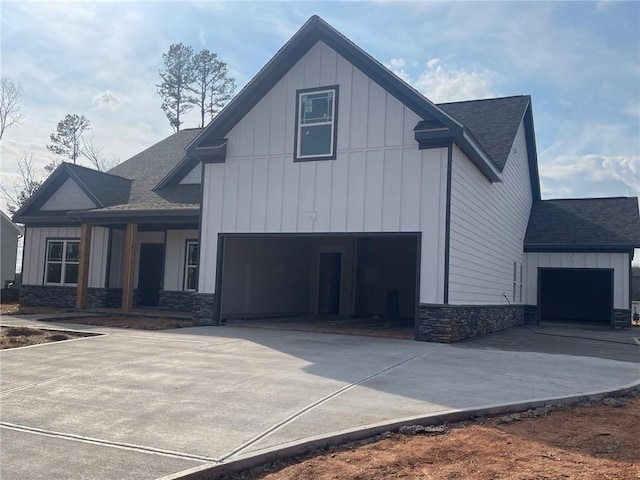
[(484, 99)]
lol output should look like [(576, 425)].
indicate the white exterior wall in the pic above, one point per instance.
[(35, 248), (488, 225), (68, 197), (175, 257), (379, 182), (9, 244), (618, 261), (98, 257)]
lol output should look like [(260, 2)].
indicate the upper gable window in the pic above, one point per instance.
[(316, 123)]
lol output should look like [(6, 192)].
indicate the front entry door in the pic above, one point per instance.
[(150, 274), (329, 283)]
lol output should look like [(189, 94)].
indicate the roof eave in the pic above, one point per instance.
[(478, 157), (568, 247)]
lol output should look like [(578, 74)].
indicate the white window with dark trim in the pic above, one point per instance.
[(191, 266), (316, 124), (61, 265)]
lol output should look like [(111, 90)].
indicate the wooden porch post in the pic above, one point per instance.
[(83, 266), (129, 266)]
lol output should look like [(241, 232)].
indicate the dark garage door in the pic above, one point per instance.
[(576, 294)]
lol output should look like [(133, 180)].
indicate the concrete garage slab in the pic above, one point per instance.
[(564, 338), (169, 400)]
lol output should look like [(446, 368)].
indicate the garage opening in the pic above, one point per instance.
[(576, 295), (321, 282)]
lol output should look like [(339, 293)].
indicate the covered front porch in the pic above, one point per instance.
[(149, 262)]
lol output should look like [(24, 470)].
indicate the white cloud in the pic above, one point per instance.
[(440, 83), (106, 100), (591, 175)]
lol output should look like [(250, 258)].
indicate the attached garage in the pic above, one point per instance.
[(578, 255), (576, 295), (366, 276)]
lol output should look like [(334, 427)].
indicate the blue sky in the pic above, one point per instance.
[(580, 61)]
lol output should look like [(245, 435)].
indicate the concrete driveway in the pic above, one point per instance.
[(137, 404)]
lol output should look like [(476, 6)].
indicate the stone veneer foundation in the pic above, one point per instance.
[(176, 301), (204, 309), (621, 318), (65, 297), (451, 323)]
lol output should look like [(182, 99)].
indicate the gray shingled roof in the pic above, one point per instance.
[(599, 222), (150, 166), (109, 189), (493, 122)]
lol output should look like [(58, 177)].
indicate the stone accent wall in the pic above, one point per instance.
[(47, 296), (104, 298), (176, 301), (621, 318), (451, 323), (531, 315), (65, 297), (204, 309)]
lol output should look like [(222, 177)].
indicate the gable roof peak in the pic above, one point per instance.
[(315, 29)]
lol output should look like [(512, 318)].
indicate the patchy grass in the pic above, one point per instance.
[(14, 337), (14, 308), (140, 323)]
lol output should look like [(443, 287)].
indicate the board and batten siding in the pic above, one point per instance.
[(619, 262), (379, 182), (35, 243), (8, 251), (488, 225), (68, 197)]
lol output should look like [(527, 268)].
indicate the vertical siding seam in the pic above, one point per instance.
[(346, 196), (282, 194), (253, 171), (313, 200), (331, 185), (266, 194), (400, 202), (384, 151)]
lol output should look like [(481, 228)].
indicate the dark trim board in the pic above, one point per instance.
[(217, 318), (532, 153), (578, 248), (447, 232)]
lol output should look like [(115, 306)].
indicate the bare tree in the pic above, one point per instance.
[(96, 157), (211, 85), (25, 185), (176, 78), (67, 140), (9, 104)]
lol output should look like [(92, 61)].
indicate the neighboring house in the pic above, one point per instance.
[(9, 233), (329, 186)]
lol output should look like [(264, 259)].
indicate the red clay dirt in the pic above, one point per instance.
[(589, 442)]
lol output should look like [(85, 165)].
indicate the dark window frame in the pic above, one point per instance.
[(185, 275), (334, 133), (63, 262)]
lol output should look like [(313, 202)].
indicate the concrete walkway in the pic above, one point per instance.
[(140, 404)]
